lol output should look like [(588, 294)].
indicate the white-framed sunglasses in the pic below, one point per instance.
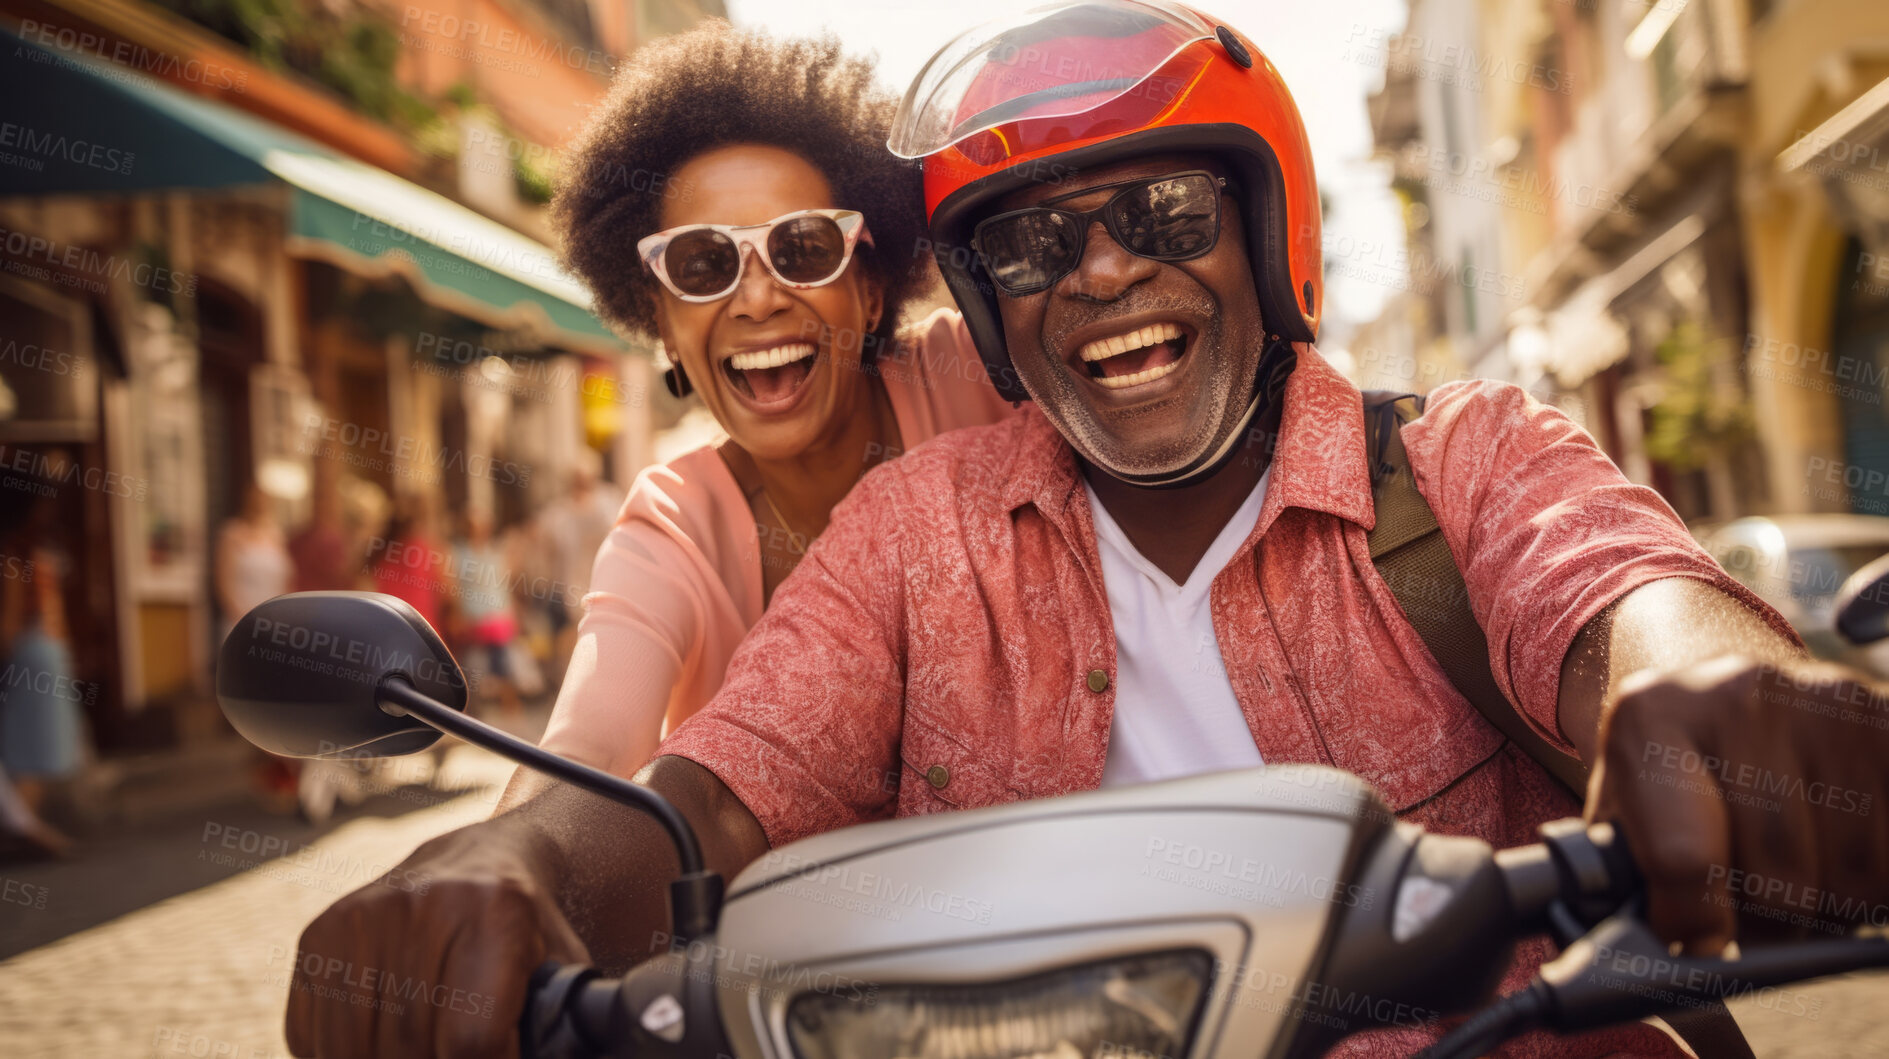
[(801, 250)]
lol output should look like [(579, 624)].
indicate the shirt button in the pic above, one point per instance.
[(1098, 681), (938, 776)]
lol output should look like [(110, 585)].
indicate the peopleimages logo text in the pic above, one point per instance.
[(48, 472), (506, 39), (353, 436), (31, 141), (322, 652), (93, 263), (137, 57)]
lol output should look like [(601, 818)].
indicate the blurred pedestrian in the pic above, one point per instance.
[(407, 560), (364, 515), (484, 620), (252, 560), (537, 596), (41, 729), (319, 549), (254, 565), (25, 833), (518, 544), (573, 528)]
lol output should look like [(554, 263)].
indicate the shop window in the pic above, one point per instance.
[(280, 409), (48, 377)]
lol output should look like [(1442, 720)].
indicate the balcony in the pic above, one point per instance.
[(1669, 105)]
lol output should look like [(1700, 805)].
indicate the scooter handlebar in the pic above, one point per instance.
[(1579, 883), (664, 1008), (1584, 868)]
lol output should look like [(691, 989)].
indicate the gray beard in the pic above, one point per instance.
[(1214, 432)]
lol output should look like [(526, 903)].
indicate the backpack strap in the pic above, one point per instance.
[(1415, 561), (1412, 557)]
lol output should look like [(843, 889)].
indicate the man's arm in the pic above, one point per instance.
[(476, 910), (613, 865), (801, 739), (524, 785), (1661, 627), (1549, 535), (1748, 778)]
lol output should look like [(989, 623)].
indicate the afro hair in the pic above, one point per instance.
[(712, 86)]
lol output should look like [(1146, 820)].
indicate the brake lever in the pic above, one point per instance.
[(1621, 971)]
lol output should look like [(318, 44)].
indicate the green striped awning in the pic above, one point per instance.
[(74, 124)]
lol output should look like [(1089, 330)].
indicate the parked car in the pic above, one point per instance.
[(1796, 563)]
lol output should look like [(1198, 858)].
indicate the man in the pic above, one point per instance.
[(1158, 568)]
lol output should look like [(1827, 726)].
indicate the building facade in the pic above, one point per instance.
[(306, 270), (1682, 202)]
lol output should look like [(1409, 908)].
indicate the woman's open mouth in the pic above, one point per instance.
[(1135, 357), (771, 377)]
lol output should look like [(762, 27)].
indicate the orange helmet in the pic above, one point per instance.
[(1036, 96)]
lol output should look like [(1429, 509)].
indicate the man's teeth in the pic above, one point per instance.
[(1153, 334), (1119, 382), (771, 358)]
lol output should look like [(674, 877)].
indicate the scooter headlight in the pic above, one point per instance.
[(1125, 1008)]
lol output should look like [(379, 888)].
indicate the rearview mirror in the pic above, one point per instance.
[(300, 675), (1862, 604)]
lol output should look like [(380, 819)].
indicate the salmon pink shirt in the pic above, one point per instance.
[(677, 584), (947, 641)]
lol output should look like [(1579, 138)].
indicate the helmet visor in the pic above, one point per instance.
[(1051, 61)]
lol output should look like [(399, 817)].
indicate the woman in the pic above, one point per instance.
[(41, 723), (777, 320), (252, 560)]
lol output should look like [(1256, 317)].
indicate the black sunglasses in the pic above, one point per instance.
[(1167, 218)]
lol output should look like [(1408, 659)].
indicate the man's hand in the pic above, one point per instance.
[(434, 958), (1752, 795)]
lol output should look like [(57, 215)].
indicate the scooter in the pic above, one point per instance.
[(1266, 912)]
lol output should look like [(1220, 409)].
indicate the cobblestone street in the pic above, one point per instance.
[(1842, 1018), (204, 974)]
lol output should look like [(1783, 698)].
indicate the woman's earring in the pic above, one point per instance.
[(677, 382), (673, 378)]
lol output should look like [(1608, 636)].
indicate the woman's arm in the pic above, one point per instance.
[(610, 708), (655, 600)]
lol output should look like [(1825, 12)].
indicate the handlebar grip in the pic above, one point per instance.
[(548, 1028), (1588, 869), (1594, 859), (664, 1008)]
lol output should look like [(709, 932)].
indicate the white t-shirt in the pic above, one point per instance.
[(1175, 712)]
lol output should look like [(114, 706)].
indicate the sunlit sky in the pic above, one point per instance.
[(1331, 52)]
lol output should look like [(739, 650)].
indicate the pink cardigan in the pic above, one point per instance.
[(677, 584)]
